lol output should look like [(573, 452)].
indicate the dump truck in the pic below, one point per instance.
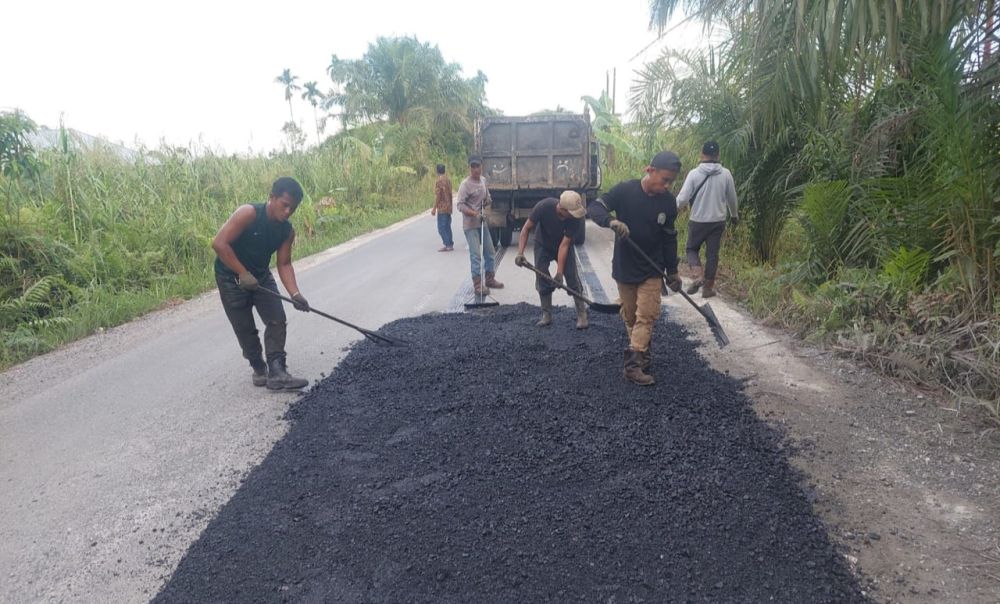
[(529, 158)]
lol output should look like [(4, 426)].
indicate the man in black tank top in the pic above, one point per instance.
[(244, 246)]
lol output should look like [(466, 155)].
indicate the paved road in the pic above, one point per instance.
[(117, 450)]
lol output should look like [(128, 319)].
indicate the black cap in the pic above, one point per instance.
[(474, 160), (711, 149), (666, 160)]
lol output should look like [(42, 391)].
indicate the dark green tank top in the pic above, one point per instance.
[(255, 246)]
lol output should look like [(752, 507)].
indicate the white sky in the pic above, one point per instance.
[(203, 72)]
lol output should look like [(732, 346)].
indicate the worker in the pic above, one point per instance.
[(558, 221), (710, 192), (244, 246), (644, 210)]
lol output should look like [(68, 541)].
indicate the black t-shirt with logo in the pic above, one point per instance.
[(650, 219), (549, 229)]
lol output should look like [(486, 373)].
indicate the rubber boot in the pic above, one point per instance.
[(259, 373), (633, 371), (279, 379), (492, 282), (478, 288), (581, 314), (696, 283), (646, 357), (546, 310), (708, 289)]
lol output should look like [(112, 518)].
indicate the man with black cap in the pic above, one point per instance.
[(644, 210), (473, 201), (710, 191), (558, 222)]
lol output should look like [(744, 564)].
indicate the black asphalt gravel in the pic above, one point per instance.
[(492, 461)]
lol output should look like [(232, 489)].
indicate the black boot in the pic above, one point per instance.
[(279, 379), (633, 369), (581, 314), (259, 373), (546, 300)]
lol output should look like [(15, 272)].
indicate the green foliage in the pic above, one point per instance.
[(906, 269), (876, 125), (95, 240)]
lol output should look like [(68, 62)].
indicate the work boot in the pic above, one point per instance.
[(633, 371), (646, 357), (492, 282), (279, 379), (581, 314), (708, 289), (259, 373), (546, 310), (694, 287), (478, 288)]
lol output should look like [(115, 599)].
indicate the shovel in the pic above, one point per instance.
[(608, 309), (371, 335), (704, 309)]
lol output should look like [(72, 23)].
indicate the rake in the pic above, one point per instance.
[(608, 309), (371, 335)]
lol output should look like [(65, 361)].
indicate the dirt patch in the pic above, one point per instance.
[(907, 482), (495, 461)]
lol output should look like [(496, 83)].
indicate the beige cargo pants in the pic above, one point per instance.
[(640, 310)]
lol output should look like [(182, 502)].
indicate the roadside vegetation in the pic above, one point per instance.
[(89, 240), (865, 142)]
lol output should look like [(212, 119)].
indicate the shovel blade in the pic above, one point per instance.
[(607, 309), (713, 322)]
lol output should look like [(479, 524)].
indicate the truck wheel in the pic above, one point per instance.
[(581, 236), (506, 234)]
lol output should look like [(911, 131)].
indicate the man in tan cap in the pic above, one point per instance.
[(558, 222)]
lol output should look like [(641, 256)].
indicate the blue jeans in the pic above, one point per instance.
[(444, 228), (472, 236)]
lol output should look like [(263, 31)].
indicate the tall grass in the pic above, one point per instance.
[(89, 240)]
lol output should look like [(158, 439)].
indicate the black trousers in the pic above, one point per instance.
[(239, 305), (708, 234), (542, 259)]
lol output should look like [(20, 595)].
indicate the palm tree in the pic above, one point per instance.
[(287, 80), (314, 96)]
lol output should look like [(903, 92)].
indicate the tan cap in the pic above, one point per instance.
[(571, 202)]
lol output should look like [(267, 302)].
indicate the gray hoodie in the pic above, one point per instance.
[(718, 193)]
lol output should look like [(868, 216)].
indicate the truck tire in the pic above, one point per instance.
[(506, 234)]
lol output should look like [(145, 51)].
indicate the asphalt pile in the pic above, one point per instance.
[(494, 461)]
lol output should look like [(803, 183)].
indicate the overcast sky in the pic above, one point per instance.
[(203, 71)]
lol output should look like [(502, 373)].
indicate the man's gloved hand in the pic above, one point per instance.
[(300, 303), (674, 282), (247, 281), (620, 228), (560, 279), (734, 220)]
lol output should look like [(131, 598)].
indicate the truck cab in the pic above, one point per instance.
[(529, 158)]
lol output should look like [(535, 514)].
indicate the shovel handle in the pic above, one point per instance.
[(371, 335), (552, 281)]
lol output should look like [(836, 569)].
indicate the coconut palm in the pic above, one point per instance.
[(287, 80), (312, 94)]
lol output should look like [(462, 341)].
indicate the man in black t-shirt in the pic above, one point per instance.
[(644, 210), (558, 222)]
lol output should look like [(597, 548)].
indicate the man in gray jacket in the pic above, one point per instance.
[(709, 191)]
